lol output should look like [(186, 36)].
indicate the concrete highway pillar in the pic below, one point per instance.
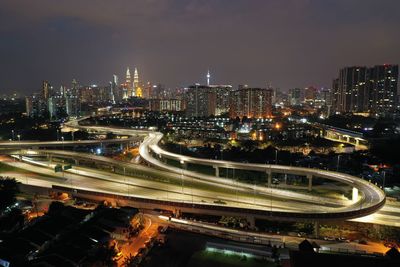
[(357, 142), (216, 171), (251, 221), (20, 157), (269, 177), (355, 195), (51, 159), (316, 229), (77, 162), (309, 177), (184, 164)]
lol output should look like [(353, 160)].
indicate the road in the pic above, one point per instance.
[(131, 248), (372, 196), (102, 181), (207, 187)]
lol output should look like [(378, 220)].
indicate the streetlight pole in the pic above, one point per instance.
[(276, 156), (19, 137), (12, 135)]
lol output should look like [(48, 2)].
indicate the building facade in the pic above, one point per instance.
[(362, 89), (251, 102)]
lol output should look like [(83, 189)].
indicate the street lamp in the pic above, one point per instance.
[(276, 156), (19, 137), (62, 141), (12, 135)]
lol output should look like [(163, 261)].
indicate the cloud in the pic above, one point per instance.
[(286, 42)]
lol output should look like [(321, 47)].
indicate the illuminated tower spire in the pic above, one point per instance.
[(128, 83), (208, 77), (135, 78), (128, 77), (136, 85)]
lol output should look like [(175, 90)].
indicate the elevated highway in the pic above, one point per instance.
[(371, 197)]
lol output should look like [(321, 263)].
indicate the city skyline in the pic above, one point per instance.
[(77, 40), (199, 133)]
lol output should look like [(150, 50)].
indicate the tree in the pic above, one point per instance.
[(8, 190)]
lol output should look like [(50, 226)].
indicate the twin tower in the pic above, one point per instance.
[(133, 88)]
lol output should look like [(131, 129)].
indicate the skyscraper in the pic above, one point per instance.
[(382, 85), (352, 93), (200, 101), (128, 83), (137, 88), (222, 98), (46, 90), (367, 90), (251, 102)]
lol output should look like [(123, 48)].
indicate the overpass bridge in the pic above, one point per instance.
[(372, 198), (343, 135)]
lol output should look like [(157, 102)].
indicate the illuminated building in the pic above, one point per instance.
[(46, 90), (165, 104), (251, 102), (352, 94), (296, 96), (136, 85), (221, 98), (200, 101), (366, 90), (382, 85), (310, 95), (128, 84)]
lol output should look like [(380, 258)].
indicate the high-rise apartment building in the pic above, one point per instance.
[(382, 85), (367, 90), (200, 101), (251, 102), (221, 98)]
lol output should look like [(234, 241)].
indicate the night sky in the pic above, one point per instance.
[(292, 43)]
